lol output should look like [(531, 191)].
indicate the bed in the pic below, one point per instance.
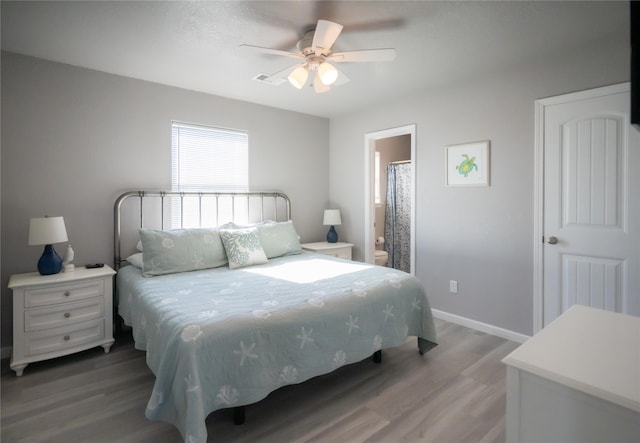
[(229, 327)]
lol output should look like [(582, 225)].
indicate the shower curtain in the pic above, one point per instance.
[(397, 217)]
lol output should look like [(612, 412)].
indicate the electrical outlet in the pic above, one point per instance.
[(453, 286)]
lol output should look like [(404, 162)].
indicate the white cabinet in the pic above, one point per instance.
[(338, 249), (55, 315), (577, 380)]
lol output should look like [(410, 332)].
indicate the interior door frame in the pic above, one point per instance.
[(538, 199), (369, 206)]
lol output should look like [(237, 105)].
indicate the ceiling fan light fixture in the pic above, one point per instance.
[(316, 57), (298, 77), (328, 73)]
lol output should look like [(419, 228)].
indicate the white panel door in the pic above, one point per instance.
[(591, 204)]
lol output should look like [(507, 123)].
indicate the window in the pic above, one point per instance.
[(206, 159), (209, 159)]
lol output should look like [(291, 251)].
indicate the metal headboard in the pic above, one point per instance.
[(165, 210)]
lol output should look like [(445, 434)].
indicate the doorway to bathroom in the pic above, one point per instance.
[(390, 197)]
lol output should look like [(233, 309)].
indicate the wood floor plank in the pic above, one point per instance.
[(454, 393), (356, 427)]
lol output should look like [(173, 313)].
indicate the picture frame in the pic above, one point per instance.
[(467, 164)]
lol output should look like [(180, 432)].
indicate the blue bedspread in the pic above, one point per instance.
[(220, 338)]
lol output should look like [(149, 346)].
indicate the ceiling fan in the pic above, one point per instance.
[(317, 57)]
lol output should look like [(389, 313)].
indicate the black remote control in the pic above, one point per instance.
[(93, 266)]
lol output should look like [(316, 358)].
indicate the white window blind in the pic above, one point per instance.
[(206, 159), (209, 159)]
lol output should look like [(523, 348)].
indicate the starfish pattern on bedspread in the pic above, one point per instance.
[(245, 352), (268, 332)]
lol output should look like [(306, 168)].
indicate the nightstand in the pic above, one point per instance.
[(56, 315), (339, 249)]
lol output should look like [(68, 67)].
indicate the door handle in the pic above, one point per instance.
[(552, 240)]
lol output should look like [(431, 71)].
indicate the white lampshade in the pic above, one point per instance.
[(332, 217), (47, 231), (298, 76), (328, 73)]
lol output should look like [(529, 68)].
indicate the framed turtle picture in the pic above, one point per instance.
[(467, 164)]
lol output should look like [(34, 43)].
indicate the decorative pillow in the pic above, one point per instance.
[(136, 260), (279, 238), (243, 247), (181, 250)]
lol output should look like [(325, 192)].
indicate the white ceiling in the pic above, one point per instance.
[(194, 45)]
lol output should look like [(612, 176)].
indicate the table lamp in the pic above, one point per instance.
[(332, 217), (47, 231)]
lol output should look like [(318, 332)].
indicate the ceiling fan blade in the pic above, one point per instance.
[(342, 78), (325, 36), (365, 55), (284, 73), (318, 86), (279, 77), (273, 51)]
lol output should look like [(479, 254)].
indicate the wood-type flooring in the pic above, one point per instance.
[(454, 393)]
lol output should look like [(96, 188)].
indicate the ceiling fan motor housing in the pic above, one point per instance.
[(305, 45)]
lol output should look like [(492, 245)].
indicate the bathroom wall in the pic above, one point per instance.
[(391, 149)]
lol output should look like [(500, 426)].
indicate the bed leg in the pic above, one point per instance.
[(377, 356), (118, 324), (238, 415)]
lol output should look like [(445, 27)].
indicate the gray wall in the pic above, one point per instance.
[(74, 139), (480, 236)]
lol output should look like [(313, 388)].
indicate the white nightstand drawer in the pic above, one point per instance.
[(63, 314), (339, 249), (52, 340), (344, 253), (63, 293)]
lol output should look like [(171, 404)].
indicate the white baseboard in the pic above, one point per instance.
[(5, 352), (482, 327)]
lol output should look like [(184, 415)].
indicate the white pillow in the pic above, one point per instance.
[(136, 260)]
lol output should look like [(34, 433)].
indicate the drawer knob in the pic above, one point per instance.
[(67, 293), (67, 315), (66, 338)]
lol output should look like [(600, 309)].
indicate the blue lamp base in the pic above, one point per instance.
[(332, 235), (50, 262)]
